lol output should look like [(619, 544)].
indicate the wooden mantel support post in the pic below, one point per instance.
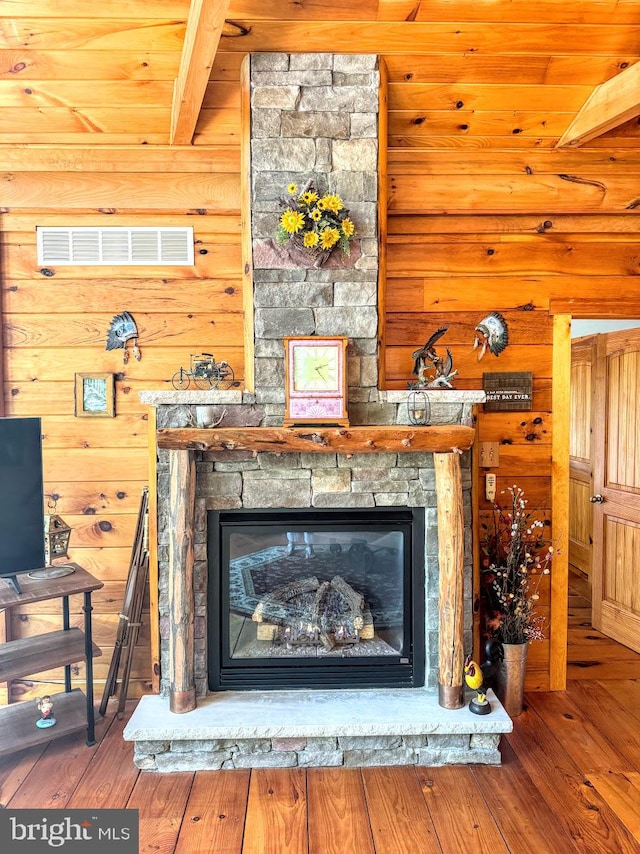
[(451, 590), (182, 492)]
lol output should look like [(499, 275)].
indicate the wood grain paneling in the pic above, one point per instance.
[(75, 93), (602, 11), (99, 190), (533, 39), (67, 8), (165, 296), (78, 33), (84, 158), (505, 68), (483, 212), (623, 434), (509, 161), (155, 369), (186, 330), (564, 193), (105, 65), (473, 97), (579, 439), (622, 541)]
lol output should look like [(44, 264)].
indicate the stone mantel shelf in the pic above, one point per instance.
[(192, 396), (343, 440)]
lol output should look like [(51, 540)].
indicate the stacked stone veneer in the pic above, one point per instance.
[(347, 750), (237, 479), (315, 116)]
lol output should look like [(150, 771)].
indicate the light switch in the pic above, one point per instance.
[(489, 454)]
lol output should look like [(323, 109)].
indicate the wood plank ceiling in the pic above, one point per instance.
[(479, 71)]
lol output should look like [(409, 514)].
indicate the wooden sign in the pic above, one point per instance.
[(508, 392)]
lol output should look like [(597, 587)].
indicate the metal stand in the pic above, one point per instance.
[(130, 616)]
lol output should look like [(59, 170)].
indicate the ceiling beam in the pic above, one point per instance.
[(611, 103), (202, 36)]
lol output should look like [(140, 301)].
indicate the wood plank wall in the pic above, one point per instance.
[(517, 254), (55, 324), (483, 215)]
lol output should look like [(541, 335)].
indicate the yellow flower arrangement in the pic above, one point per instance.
[(315, 223)]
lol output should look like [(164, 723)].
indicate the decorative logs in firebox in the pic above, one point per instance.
[(310, 612)]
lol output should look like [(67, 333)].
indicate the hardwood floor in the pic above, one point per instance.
[(590, 654), (570, 781)]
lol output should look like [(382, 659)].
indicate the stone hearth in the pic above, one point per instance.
[(282, 729)]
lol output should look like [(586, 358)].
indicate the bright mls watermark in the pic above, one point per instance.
[(38, 831)]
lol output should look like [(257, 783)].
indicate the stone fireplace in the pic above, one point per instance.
[(316, 113), (305, 726)]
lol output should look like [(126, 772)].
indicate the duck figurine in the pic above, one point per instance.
[(481, 677), (474, 678)]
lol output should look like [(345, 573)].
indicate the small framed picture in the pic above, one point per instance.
[(95, 396)]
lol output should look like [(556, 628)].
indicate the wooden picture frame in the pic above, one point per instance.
[(95, 396)]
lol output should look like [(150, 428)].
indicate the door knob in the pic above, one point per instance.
[(596, 499)]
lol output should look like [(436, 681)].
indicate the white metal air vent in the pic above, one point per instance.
[(115, 245)]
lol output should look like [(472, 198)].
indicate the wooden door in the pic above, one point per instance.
[(616, 484), (580, 473)]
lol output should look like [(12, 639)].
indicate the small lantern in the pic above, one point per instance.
[(56, 538), (418, 408)]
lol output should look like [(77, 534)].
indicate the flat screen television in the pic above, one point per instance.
[(21, 498)]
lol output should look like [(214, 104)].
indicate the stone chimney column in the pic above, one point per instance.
[(314, 117)]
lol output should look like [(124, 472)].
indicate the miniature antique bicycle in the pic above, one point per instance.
[(205, 372)]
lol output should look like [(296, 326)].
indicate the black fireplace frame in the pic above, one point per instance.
[(405, 671)]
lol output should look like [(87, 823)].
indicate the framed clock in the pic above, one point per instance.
[(316, 381)]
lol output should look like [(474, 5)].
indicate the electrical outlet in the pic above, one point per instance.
[(490, 487)]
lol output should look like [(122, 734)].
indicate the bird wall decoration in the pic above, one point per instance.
[(427, 356), (491, 333), (122, 329)]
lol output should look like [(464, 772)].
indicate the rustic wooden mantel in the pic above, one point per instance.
[(446, 443), (336, 440)]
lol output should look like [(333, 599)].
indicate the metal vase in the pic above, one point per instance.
[(510, 677)]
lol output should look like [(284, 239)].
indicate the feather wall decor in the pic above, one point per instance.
[(122, 329), (492, 333)]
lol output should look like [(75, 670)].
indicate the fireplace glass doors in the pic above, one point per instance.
[(313, 598)]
